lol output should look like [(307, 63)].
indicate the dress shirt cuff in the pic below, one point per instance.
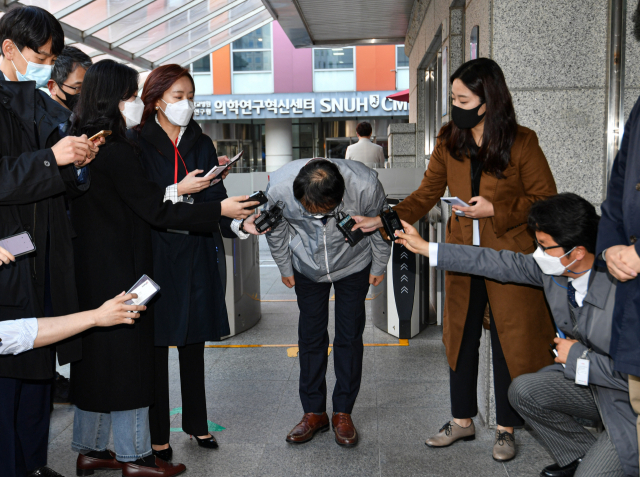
[(171, 194), (235, 228), (18, 336), (433, 254)]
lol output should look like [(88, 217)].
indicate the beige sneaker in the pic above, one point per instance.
[(504, 447), (451, 432)]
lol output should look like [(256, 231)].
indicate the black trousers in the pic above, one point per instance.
[(313, 340), (464, 380), (194, 400), (24, 425)]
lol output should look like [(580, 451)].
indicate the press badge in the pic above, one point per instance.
[(582, 370)]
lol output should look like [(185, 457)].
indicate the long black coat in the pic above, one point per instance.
[(32, 199), (620, 225), (113, 249), (191, 307)]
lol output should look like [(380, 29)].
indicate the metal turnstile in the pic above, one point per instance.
[(239, 265), (411, 296)]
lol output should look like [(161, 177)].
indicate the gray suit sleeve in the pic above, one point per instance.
[(278, 241), (601, 371), (504, 266), (381, 251)]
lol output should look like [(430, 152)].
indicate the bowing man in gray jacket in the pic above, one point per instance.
[(313, 257), (581, 294)]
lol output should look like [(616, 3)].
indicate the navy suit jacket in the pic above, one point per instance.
[(620, 225)]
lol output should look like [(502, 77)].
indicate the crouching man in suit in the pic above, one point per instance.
[(581, 295)]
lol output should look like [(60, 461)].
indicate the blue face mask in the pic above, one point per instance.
[(41, 74)]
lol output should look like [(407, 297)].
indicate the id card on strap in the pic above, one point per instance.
[(582, 370)]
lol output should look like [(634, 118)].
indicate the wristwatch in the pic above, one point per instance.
[(241, 227)]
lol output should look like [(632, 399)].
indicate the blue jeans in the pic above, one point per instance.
[(131, 435)]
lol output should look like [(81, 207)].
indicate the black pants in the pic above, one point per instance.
[(313, 340), (24, 425), (194, 400), (464, 380)]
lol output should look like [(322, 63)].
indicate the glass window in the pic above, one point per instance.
[(203, 65), (257, 40), (402, 60), (252, 66), (251, 61), (333, 58), (473, 42)]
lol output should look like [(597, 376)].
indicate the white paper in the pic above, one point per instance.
[(144, 291), (582, 372)]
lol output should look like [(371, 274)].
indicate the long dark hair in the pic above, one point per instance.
[(485, 79), (159, 81), (105, 84)]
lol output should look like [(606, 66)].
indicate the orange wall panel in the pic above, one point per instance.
[(373, 68), (221, 69)]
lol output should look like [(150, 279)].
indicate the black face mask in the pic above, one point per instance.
[(466, 118), (71, 100)]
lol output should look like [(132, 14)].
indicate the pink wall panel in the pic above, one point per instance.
[(292, 69)]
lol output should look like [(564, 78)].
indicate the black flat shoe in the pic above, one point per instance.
[(554, 470), (207, 442), (164, 454)]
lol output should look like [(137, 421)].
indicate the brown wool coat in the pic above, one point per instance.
[(520, 312)]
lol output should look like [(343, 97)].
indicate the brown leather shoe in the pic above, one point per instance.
[(163, 469), (343, 428), (307, 428), (86, 465)]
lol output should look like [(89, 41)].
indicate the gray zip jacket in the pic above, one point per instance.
[(592, 330), (319, 251)]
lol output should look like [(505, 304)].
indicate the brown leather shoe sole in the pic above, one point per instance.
[(466, 439), (311, 435)]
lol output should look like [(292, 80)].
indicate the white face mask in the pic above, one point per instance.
[(179, 114), (133, 112), (551, 265)]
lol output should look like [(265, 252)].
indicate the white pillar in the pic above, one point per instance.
[(278, 140)]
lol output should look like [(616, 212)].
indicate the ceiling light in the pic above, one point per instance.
[(337, 49), (338, 54)]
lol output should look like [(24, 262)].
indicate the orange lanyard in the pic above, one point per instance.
[(175, 175)]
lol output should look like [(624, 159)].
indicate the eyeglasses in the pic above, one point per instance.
[(77, 89), (544, 249)]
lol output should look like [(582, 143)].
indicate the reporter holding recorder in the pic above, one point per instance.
[(581, 294), (486, 159), (113, 383), (191, 307)]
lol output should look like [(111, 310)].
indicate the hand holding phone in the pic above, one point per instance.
[(257, 196), (457, 202), (217, 170), (19, 244), (104, 133)]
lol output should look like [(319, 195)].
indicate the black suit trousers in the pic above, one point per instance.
[(313, 339), (24, 425), (464, 380), (194, 400)]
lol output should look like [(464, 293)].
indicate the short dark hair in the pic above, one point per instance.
[(67, 62), (31, 27), (364, 129), (319, 186), (569, 219)]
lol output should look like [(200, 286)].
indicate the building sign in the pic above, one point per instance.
[(302, 105)]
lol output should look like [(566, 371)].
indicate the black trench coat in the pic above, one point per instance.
[(32, 199), (191, 306), (113, 221)]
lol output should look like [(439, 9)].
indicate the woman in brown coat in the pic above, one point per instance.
[(489, 161)]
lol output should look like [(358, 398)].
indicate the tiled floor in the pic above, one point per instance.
[(253, 394)]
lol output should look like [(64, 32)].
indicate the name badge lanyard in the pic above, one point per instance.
[(188, 199), (475, 193)]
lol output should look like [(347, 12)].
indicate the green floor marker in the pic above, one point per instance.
[(211, 426)]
